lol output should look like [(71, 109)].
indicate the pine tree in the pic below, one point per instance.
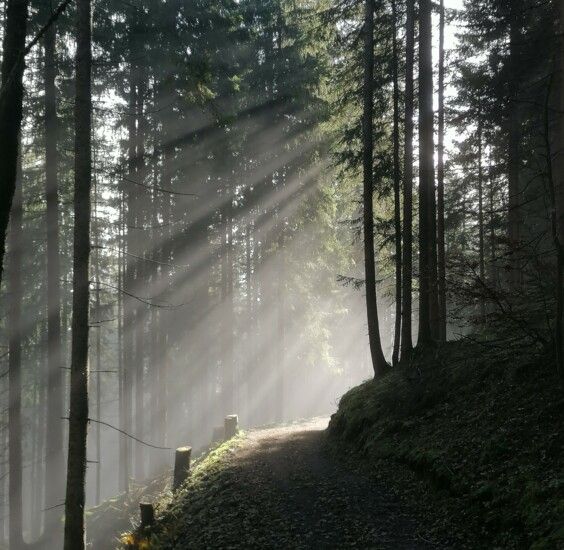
[(378, 361), (78, 419)]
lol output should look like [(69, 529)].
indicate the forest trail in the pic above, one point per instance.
[(282, 488)]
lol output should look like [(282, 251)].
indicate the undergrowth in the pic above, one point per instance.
[(474, 437)]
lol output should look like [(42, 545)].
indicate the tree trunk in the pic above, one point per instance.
[(441, 252), (140, 280), (281, 326), (227, 305), (98, 349), (513, 153), (15, 335), (54, 455), (493, 253), (558, 192), (123, 462), (406, 337), (11, 97), (249, 290), (154, 321), (78, 420), (378, 361), (427, 239), (397, 189), (129, 309), (481, 251)]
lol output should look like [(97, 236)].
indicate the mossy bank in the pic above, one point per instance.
[(475, 438)]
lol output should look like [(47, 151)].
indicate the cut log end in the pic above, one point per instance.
[(231, 426), (182, 460)]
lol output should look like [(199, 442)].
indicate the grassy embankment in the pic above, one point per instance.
[(474, 438)]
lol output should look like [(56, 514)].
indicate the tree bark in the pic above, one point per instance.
[(13, 64), (98, 349), (481, 234), (558, 193), (15, 335), (513, 151), (123, 462), (140, 277), (78, 420), (481, 231), (441, 251), (406, 326), (427, 240), (397, 188), (378, 361), (129, 309)]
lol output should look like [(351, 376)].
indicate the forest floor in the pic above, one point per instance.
[(283, 487)]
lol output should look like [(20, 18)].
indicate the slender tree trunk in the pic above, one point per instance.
[(557, 177), (441, 251), (406, 336), (513, 153), (427, 241), (15, 335), (227, 305), (165, 251), (250, 322), (129, 309), (78, 420), (493, 253), (156, 278), (98, 350), (123, 476), (54, 455), (39, 428), (397, 189), (378, 361), (481, 234), (140, 276), (281, 326), (11, 97), (232, 379)]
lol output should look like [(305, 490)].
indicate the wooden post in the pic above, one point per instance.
[(181, 466), (147, 514), (231, 426)]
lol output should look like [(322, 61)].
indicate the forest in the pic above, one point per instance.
[(281, 274)]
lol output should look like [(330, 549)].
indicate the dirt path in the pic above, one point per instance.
[(281, 489)]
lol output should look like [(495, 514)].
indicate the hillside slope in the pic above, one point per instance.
[(475, 438), (280, 488)]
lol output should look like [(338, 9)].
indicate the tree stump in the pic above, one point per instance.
[(231, 426), (147, 514), (181, 466)]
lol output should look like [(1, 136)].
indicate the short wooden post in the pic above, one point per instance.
[(147, 514), (182, 459), (231, 426)]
